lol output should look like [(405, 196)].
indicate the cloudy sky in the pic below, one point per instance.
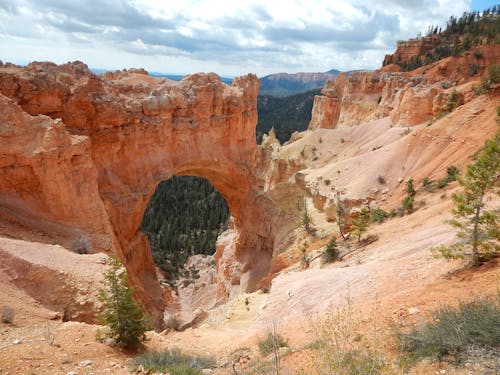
[(229, 37)]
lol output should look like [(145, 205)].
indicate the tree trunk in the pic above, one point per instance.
[(475, 231)]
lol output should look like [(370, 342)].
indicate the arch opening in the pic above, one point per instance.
[(183, 218)]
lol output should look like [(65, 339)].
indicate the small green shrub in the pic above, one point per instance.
[(405, 132), (174, 362), (451, 175), (381, 180), (328, 182), (410, 190), (494, 73), (407, 204), (7, 313), (378, 215), (473, 69), (427, 183), (331, 251), (453, 101), (174, 322), (271, 343), (453, 331)]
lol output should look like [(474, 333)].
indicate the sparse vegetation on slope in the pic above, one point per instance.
[(454, 331), (174, 362)]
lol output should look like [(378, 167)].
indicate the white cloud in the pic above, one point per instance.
[(225, 36)]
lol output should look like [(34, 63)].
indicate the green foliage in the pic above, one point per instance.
[(407, 204), (378, 215), (492, 77), (342, 216), (305, 219), (426, 183), (410, 190), (451, 175), (360, 225), (453, 331), (285, 114), (494, 73), (272, 343), (478, 229), (409, 200), (304, 259), (331, 251), (184, 217), (174, 362), (473, 69), (121, 313), (452, 101)]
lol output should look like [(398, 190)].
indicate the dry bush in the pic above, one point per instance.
[(7, 313), (341, 347)]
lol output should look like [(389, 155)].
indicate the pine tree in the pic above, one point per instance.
[(360, 225), (478, 229), (122, 314), (342, 217), (331, 251)]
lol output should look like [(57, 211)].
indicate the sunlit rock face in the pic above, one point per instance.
[(81, 155)]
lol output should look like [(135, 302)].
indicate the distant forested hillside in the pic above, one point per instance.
[(285, 84), (286, 114), (184, 217)]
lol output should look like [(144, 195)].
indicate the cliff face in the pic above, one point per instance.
[(408, 49), (81, 156), (409, 98)]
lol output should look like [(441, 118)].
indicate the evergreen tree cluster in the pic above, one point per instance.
[(286, 114), (460, 34), (183, 218)]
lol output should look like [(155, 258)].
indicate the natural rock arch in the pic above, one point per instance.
[(91, 168)]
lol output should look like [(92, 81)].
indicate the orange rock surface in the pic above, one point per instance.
[(81, 156)]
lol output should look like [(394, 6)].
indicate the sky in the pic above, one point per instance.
[(228, 37)]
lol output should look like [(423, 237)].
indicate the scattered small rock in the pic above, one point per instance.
[(72, 373), (65, 360), (413, 311), (109, 341), (86, 363)]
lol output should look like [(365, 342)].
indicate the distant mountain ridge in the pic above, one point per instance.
[(285, 84), (276, 84)]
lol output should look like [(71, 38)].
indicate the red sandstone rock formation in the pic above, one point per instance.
[(408, 49), (81, 155), (409, 98)]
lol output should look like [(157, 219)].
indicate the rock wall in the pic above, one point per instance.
[(408, 49), (409, 98), (81, 155)]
